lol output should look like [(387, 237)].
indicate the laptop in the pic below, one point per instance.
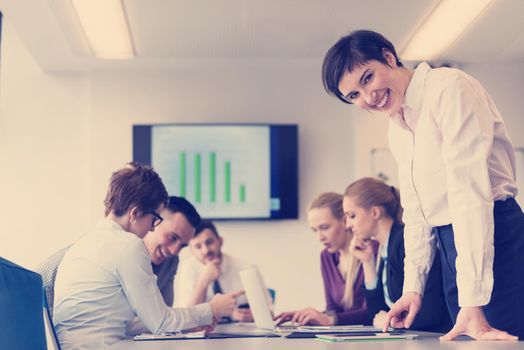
[(259, 303), (256, 293)]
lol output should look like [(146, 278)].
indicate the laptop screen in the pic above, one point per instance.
[(256, 294)]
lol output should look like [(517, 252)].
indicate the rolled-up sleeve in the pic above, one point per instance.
[(139, 285)]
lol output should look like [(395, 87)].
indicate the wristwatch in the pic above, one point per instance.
[(332, 314)]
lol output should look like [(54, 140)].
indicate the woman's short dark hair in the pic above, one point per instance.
[(134, 185), (206, 225), (183, 206), (351, 51)]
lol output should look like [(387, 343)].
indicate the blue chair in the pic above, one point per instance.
[(273, 294), (21, 317)]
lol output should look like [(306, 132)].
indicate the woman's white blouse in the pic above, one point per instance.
[(455, 159)]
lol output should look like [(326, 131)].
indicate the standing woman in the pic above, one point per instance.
[(341, 272), (457, 181), (373, 213)]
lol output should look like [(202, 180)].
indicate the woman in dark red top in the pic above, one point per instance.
[(341, 272)]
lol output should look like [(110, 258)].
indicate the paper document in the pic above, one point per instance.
[(375, 337), (169, 335), (338, 329)]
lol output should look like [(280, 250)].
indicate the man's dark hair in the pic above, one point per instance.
[(351, 51), (206, 225), (183, 206), (134, 185)]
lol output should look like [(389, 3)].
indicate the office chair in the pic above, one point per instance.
[(51, 337), (47, 269), (272, 294), (21, 319)]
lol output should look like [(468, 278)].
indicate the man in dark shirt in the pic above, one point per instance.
[(164, 244)]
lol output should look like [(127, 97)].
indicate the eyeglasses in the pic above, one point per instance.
[(157, 219)]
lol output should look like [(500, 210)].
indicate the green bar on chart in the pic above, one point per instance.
[(198, 178), (227, 182), (212, 177), (182, 188), (242, 193)]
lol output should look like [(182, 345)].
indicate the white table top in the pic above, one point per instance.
[(425, 341)]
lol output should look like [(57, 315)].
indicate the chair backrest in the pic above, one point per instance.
[(21, 319), (272, 294), (48, 270), (50, 333)]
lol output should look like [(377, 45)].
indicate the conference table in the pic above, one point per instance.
[(425, 341)]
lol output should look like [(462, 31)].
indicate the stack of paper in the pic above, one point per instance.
[(169, 335)]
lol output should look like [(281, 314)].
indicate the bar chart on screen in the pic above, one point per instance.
[(223, 171), (192, 188)]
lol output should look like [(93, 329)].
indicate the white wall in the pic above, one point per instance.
[(67, 133), (43, 138), (370, 133)]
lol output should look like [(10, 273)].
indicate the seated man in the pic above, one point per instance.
[(209, 271), (105, 279), (163, 245), (168, 239)]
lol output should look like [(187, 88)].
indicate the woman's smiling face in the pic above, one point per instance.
[(375, 86)]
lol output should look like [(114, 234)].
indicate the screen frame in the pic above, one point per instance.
[(284, 163)]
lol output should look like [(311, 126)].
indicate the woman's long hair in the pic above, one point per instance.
[(370, 192), (333, 201)]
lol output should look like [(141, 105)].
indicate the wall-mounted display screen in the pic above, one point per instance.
[(228, 171)]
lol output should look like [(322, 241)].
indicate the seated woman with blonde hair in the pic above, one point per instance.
[(374, 214), (341, 272)]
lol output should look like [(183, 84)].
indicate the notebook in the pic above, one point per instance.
[(371, 337)]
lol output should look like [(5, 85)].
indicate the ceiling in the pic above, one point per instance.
[(170, 32)]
